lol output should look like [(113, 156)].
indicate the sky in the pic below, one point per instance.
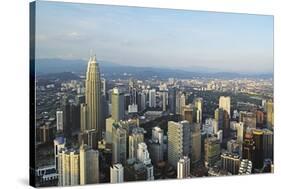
[(182, 39)]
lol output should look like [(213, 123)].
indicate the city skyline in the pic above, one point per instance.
[(165, 38), (112, 118)]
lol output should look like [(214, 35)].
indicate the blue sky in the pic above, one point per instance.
[(155, 37)]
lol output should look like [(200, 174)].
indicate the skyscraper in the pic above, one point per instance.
[(156, 145), (195, 143), (59, 143), (83, 117), (143, 157), (152, 98), (258, 154), (172, 93), (116, 173), (198, 104), (219, 117), (59, 120), (224, 103), (212, 151), (118, 106), (89, 165), (182, 102), (179, 141), (135, 138), (188, 113), (143, 154), (269, 114), (69, 167), (248, 147), (231, 162), (119, 144), (183, 167), (268, 144), (93, 96)]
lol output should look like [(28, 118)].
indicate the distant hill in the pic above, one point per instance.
[(64, 76), (47, 66)]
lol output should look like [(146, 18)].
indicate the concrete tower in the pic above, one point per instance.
[(93, 96)]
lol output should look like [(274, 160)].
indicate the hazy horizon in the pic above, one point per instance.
[(152, 37)]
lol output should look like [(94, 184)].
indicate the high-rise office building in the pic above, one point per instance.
[(224, 103), (260, 119), (118, 106), (59, 118), (267, 144), (142, 101), (152, 98), (195, 143), (59, 143), (83, 117), (116, 173), (231, 162), (248, 118), (69, 167), (234, 147), (248, 147), (119, 144), (212, 151), (156, 145), (219, 117), (179, 141), (157, 135), (188, 113), (143, 157), (164, 100), (108, 129), (226, 124), (103, 87), (183, 167), (172, 93), (258, 154), (143, 154), (269, 114), (182, 102), (93, 97), (89, 165), (135, 138), (198, 104), (239, 132)]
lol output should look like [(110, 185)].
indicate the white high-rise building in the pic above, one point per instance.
[(157, 135), (240, 132), (143, 157), (198, 104), (182, 102), (152, 98), (224, 103), (117, 173), (179, 141), (143, 154), (135, 138), (183, 167), (69, 167), (59, 120)]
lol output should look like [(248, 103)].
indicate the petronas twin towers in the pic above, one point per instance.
[(93, 98)]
